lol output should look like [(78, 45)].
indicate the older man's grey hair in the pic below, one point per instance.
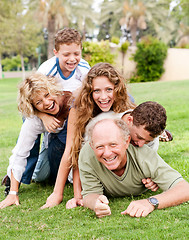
[(118, 122)]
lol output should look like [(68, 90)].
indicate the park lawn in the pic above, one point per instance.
[(27, 221)]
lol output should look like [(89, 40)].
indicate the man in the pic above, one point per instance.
[(113, 167)]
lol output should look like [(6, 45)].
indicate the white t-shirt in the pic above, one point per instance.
[(71, 83)]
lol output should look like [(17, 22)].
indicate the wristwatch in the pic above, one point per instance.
[(13, 193), (153, 201)]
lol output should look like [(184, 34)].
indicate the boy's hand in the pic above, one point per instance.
[(9, 200), (51, 123), (150, 184)]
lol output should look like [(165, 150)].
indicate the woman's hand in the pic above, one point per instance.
[(74, 202), (9, 200)]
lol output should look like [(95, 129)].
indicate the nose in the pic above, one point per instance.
[(72, 57), (107, 152), (103, 95), (46, 101)]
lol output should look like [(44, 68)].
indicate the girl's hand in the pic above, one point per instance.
[(74, 202)]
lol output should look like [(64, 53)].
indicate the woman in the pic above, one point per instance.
[(38, 95), (103, 90)]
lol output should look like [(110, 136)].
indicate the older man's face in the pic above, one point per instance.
[(109, 146)]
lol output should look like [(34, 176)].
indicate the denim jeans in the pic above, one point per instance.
[(55, 151), (31, 162)]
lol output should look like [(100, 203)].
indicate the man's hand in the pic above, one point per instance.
[(53, 200), (139, 208), (101, 207), (150, 184), (74, 202), (9, 200)]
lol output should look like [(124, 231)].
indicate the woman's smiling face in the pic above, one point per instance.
[(44, 102), (103, 93)]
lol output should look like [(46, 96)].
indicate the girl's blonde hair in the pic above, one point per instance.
[(86, 108), (33, 84)]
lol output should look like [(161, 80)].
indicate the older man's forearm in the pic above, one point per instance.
[(174, 196)]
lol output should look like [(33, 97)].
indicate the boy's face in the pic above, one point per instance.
[(69, 57)]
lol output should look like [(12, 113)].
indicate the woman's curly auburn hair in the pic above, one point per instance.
[(86, 108), (31, 86)]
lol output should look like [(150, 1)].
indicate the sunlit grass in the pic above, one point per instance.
[(29, 222)]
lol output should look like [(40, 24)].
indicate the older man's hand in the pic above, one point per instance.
[(139, 208), (101, 207)]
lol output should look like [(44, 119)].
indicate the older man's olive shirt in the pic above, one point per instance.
[(141, 163)]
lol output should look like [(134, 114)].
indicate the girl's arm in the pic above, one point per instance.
[(57, 196)]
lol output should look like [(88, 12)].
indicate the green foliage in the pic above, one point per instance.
[(115, 40), (149, 56), (124, 46), (12, 64), (94, 52)]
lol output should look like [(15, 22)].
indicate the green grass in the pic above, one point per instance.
[(28, 222)]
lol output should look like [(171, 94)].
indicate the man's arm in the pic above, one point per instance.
[(97, 203), (172, 197)]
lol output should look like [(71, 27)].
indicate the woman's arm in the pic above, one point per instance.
[(57, 196)]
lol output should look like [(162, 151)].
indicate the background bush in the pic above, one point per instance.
[(13, 64), (149, 56), (95, 52)]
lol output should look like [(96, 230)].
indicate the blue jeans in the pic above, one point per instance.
[(31, 162), (55, 151)]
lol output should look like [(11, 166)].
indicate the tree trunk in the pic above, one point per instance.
[(51, 33), (23, 68), (1, 71), (133, 31)]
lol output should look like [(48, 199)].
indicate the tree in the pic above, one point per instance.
[(62, 13), (23, 33), (136, 14)]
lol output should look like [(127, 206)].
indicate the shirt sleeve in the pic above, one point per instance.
[(89, 180), (160, 172), (28, 134)]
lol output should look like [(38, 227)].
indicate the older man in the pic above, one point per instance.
[(110, 166)]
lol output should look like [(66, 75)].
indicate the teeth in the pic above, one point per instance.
[(51, 106), (104, 102), (109, 160)]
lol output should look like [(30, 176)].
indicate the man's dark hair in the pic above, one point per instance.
[(152, 116)]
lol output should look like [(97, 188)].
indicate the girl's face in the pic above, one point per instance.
[(44, 102), (103, 93)]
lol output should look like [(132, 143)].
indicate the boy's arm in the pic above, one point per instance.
[(172, 197), (51, 123), (57, 196), (97, 203)]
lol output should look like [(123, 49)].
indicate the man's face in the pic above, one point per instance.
[(109, 146), (139, 136), (69, 57)]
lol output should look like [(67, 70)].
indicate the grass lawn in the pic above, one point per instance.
[(27, 221)]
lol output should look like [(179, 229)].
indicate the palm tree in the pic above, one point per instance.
[(61, 13), (134, 15)]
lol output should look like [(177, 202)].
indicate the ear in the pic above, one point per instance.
[(91, 145), (129, 121), (55, 52), (128, 141)]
